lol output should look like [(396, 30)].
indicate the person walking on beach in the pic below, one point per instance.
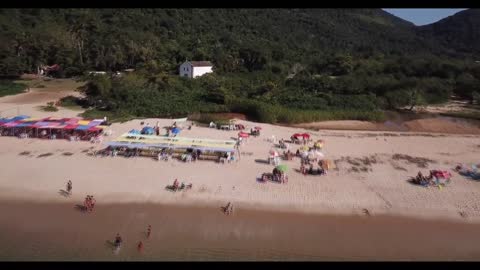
[(69, 187), (140, 246), (149, 231), (175, 184)]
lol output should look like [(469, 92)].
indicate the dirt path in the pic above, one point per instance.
[(41, 92)]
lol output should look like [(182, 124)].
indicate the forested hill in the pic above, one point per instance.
[(112, 39), (276, 65), (460, 32)]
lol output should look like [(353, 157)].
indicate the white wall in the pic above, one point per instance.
[(199, 71), (185, 70)]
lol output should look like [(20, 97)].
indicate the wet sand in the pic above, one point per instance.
[(58, 231)]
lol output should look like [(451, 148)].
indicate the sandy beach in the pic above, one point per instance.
[(369, 175), (372, 172)]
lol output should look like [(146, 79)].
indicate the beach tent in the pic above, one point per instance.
[(84, 122), (70, 126), (15, 119), (94, 129), (82, 127), (72, 121), (11, 124), (20, 117), (134, 131), (301, 135), (148, 130)]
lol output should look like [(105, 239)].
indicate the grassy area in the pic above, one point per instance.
[(49, 108), (50, 84), (8, 87), (72, 103)]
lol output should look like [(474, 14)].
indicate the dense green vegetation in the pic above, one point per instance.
[(8, 87), (275, 65), (50, 107)]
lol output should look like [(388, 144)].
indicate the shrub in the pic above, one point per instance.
[(50, 107), (8, 87)]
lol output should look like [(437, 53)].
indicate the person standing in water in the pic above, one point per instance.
[(69, 187), (149, 231), (118, 240), (140, 246)]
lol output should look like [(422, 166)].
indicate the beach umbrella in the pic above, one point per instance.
[(148, 130), (319, 144), (243, 135), (175, 131), (283, 168), (305, 135)]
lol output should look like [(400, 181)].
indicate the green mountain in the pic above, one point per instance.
[(460, 32), (120, 38)]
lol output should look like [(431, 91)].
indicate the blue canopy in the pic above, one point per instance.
[(168, 146), (25, 124), (175, 130), (134, 131), (16, 118), (83, 127), (148, 130)]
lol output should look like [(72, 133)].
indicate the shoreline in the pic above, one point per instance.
[(421, 216), (59, 232)]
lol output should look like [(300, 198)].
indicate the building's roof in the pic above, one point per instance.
[(201, 63)]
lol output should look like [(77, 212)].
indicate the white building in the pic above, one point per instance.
[(192, 69)]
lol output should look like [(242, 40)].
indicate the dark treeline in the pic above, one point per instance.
[(277, 65)]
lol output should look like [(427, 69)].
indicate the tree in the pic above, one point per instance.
[(252, 59)]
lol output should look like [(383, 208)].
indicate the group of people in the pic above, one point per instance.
[(321, 170), (119, 241), (279, 176), (176, 186), (89, 203), (433, 179)]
